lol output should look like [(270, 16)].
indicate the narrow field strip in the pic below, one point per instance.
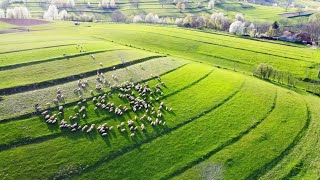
[(244, 42), (174, 150), (29, 49), (54, 133), (175, 46), (262, 145), (227, 46), (14, 66), (96, 147), (42, 96), (82, 47), (33, 86)]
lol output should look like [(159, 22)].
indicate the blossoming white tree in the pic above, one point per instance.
[(237, 27), (211, 4)]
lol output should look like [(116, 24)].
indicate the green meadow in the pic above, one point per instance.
[(207, 115)]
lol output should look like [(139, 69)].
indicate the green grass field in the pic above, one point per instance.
[(225, 123)]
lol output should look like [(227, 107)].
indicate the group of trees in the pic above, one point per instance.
[(63, 3), (53, 14), (118, 16), (215, 21), (313, 28), (15, 13), (238, 27), (108, 4), (265, 71), (219, 21), (152, 18)]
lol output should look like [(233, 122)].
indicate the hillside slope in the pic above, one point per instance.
[(204, 116)]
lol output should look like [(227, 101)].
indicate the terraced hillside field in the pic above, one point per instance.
[(116, 101)]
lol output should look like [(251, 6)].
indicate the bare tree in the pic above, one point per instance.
[(163, 2), (313, 28), (181, 6), (287, 4), (118, 16)]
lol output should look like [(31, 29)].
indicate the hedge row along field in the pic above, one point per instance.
[(153, 102)]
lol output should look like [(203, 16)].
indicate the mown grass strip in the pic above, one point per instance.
[(30, 49), (14, 66), (43, 84), (232, 47), (70, 104)]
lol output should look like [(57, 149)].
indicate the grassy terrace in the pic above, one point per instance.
[(67, 67), (206, 133), (83, 146), (19, 104), (225, 123), (219, 50), (60, 51), (36, 127)]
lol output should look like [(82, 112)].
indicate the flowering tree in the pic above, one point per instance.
[(237, 27), (52, 13), (18, 13), (239, 17), (211, 4), (2, 15)]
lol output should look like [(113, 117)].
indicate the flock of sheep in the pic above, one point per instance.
[(142, 100)]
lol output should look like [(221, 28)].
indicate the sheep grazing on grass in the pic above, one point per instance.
[(45, 112), (143, 127), (123, 130), (91, 128), (92, 56), (82, 109), (98, 88), (55, 101), (84, 127), (132, 134)]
